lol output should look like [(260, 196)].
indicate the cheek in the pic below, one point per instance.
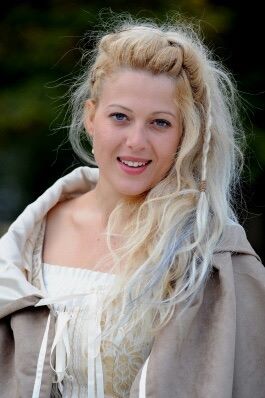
[(105, 140), (168, 150)]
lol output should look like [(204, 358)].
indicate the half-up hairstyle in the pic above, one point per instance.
[(170, 235)]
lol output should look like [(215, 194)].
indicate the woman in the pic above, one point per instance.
[(134, 278)]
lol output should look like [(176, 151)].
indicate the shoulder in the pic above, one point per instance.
[(58, 213), (73, 212), (67, 222), (239, 267), (234, 239), (235, 244), (59, 220), (240, 271)]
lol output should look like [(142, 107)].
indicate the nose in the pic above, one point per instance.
[(136, 137)]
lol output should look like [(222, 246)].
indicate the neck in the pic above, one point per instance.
[(103, 203), (104, 200)]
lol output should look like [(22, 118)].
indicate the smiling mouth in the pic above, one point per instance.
[(133, 164)]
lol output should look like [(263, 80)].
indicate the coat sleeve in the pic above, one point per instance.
[(21, 332), (249, 367)]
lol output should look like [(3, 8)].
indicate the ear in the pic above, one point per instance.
[(89, 113)]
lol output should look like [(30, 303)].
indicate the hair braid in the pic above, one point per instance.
[(203, 207), (206, 140)]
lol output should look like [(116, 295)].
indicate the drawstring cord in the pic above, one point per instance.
[(61, 346)]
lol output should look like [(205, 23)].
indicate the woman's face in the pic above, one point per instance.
[(136, 129)]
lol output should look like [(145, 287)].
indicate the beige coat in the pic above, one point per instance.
[(219, 351)]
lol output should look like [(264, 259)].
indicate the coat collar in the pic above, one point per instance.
[(17, 243)]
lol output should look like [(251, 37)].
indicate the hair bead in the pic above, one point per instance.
[(202, 186)]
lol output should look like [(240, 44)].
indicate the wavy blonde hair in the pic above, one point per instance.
[(171, 232)]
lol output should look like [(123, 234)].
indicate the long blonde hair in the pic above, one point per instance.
[(171, 233)]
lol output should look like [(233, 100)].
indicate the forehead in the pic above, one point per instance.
[(140, 86)]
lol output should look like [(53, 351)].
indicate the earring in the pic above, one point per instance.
[(92, 143)]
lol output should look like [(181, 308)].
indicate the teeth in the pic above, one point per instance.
[(133, 164)]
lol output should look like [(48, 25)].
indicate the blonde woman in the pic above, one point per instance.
[(134, 278)]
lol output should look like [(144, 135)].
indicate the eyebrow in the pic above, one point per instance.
[(153, 113)]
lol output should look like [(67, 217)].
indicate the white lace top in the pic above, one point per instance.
[(78, 361), (84, 367)]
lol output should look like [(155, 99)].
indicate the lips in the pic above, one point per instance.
[(133, 167), (134, 163), (133, 159)]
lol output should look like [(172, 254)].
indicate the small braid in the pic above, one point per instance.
[(206, 141), (203, 206)]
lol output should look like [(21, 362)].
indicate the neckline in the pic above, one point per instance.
[(76, 269)]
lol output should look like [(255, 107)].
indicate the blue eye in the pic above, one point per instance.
[(118, 116), (162, 123)]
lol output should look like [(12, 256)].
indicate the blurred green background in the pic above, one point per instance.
[(40, 55)]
